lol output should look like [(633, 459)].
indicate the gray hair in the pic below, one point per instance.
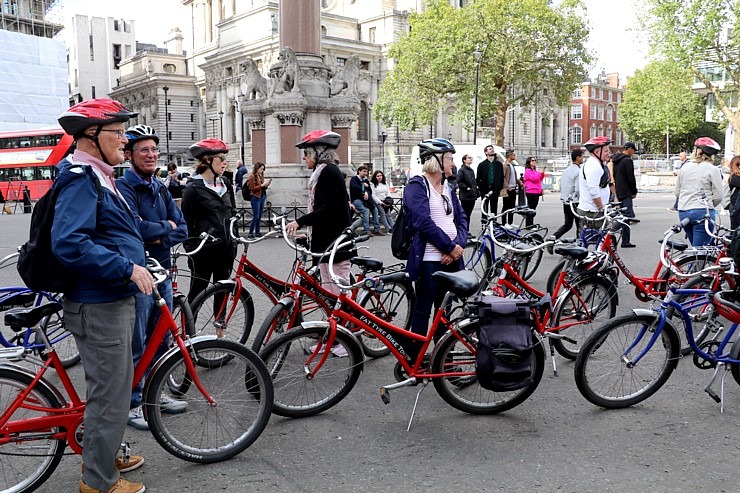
[(322, 154)]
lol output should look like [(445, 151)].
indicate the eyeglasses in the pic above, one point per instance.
[(148, 150), (447, 204), (222, 157), (119, 133)]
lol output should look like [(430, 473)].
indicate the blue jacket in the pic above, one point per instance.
[(153, 208), (240, 176), (99, 245), (424, 229)]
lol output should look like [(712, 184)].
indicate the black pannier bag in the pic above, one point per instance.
[(504, 359)]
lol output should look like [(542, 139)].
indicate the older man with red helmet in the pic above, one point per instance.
[(594, 179), (96, 238)]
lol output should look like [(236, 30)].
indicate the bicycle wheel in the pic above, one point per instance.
[(221, 311), (603, 377), (62, 340), (205, 433), (29, 458), (280, 319), (464, 392), (735, 369), (477, 257), (704, 319), (689, 263), (552, 279), (297, 394), (590, 302), (394, 304), (183, 317), (532, 260)]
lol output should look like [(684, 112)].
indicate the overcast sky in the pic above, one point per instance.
[(613, 31)]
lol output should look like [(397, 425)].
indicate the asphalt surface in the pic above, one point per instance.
[(556, 441)]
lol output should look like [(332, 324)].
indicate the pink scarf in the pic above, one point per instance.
[(312, 185)]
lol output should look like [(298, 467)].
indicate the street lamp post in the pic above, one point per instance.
[(221, 116), (477, 54), (237, 105), (166, 121), (370, 133), (213, 125), (383, 136)]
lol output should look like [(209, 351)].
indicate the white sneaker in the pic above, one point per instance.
[(136, 419), (336, 350), (170, 405)]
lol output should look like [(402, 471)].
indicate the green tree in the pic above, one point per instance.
[(702, 35), (657, 98), (532, 52)]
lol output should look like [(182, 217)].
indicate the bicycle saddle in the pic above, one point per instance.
[(369, 264), (463, 283), (726, 306), (527, 212), (576, 252), (676, 244), (18, 318)]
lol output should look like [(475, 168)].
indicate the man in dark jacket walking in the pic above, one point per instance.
[(490, 178), (624, 180)]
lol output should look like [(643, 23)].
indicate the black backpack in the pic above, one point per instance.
[(401, 236), (503, 361), (37, 265), (246, 192)]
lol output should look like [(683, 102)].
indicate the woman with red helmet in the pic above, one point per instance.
[(208, 204), (699, 184), (594, 179)]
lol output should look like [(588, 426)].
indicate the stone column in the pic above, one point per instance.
[(300, 25), (290, 133), (342, 124), (259, 152)]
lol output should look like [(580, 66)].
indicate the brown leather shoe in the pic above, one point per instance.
[(134, 462), (121, 486), (378, 233)]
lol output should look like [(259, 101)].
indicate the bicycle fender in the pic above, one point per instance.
[(645, 312), (170, 354), (286, 301), (42, 381)]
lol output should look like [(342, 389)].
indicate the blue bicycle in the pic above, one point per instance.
[(22, 297), (630, 358)]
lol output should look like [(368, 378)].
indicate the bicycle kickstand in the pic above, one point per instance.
[(552, 357), (424, 384), (720, 399)]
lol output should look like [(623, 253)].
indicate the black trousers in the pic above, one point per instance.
[(570, 219), (492, 206), (532, 200), (468, 206), (508, 203), (215, 262)]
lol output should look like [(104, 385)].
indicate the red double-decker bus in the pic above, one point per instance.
[(28, 159)]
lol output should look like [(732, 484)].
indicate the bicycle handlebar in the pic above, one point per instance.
[(204, 238), (7, 258), (158, 272), (676, 228), (244, 241), (509, 248)]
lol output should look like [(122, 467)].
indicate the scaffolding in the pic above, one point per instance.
[(29, 17)]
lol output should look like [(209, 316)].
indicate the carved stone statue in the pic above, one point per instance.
[(286, 77), (344, 83), (255, 82)]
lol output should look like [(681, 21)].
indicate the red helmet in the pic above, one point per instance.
[(597, 142), (320, 138), (708, 146), (208, 147), (86, 114)]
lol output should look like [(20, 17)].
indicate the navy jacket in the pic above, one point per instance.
[(99, 245), (152, 209), (424, 229)]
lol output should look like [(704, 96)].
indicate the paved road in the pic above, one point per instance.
[(555, 441)]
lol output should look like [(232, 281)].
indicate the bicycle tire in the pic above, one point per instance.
[(464, 392), (592, 300), (532, 261), (210, 318), (183, 317), (296, 395), (477, 257), (688, 263), (278, 320), (395, 305), (703, 317), (207, 433), (602, 376), (14, 462), (552, 279)]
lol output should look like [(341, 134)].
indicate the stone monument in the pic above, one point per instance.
[(298, 96)]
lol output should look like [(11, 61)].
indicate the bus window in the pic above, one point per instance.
[(28, 174), (45, 172), (3, 174)]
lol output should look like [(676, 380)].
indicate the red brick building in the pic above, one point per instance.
[(594, 112)]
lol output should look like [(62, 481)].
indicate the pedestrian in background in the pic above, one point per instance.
[(569, 193), (360, 193), (258, 189), (467, 189), (734, 185), (533, 185), (512, 183), (625, 186), (381, 195), (683, 159), (490, 178), (241, 170), (699, 179)]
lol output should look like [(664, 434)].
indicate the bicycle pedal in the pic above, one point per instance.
[(713, 395), (385, 395)]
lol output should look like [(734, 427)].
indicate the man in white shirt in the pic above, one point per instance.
[(593, 181)]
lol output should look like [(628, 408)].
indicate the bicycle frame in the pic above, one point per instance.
[(7, 301)]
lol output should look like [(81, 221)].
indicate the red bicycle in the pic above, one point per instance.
[(226, 386)]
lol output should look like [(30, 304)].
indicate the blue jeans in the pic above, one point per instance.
[(428, 294), (626, 230), (258, 207), (147, 316), (364, 213), (695, 231)]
